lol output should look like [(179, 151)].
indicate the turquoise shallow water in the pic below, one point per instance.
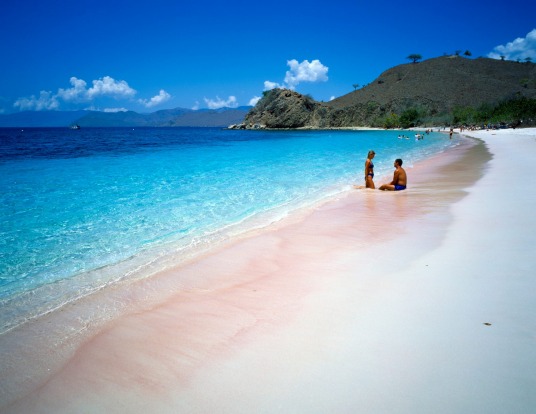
[(83, 209)]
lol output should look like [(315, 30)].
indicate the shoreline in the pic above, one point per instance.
[(276, 312), (52, 297)]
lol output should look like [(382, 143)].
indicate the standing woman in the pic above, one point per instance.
[(369, 170)]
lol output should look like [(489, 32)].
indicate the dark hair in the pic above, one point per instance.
[(399, 161)]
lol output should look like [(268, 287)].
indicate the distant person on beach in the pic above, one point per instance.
[(451, 131), (400, 179), (369, 170)]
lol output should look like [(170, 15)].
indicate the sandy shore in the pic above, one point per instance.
[(412, 302)]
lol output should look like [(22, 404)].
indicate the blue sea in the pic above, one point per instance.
[(83, 209)]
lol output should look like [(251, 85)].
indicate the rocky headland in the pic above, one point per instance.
[(430, 92)]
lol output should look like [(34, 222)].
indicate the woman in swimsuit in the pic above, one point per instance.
[(369, 170)]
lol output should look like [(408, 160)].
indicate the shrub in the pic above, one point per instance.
[(391, 121), (507, 111), (409, 118)]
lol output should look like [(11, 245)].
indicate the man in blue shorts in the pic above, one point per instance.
[(400, 179)]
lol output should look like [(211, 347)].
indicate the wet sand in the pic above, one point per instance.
[(407, 302)]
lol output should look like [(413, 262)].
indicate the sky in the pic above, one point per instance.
[(162, 54)]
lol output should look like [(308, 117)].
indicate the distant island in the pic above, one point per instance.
[(178, 117), (441, 91)]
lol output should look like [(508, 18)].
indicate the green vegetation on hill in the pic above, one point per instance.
[(517, 111), (512, 111)]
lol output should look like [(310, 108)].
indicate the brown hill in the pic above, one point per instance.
[(433, 87), (446, 82)]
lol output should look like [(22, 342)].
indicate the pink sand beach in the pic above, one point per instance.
[(417, 301)]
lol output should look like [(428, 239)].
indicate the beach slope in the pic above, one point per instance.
[(412, 302)]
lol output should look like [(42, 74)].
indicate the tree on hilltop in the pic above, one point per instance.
[(528, 59), (355, 85), (415, 57), (467, 53)]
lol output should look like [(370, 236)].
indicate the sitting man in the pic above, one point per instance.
[(400, 179)]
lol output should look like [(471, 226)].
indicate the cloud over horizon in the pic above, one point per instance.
[(218, 103), (114, 110), (45, 102), (305, 71), (520, 48), (156, 100), (105, 87)]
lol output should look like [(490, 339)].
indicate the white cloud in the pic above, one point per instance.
[(76, 93), (218, 103), (105, 87), (162, 97), (108, 86), (114, 110), (332, 98), (305, 71), (253, 101), (520, 48), (268, 85), (46, 101), (196, 106)]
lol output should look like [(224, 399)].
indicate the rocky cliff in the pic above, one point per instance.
[(432, 89)]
